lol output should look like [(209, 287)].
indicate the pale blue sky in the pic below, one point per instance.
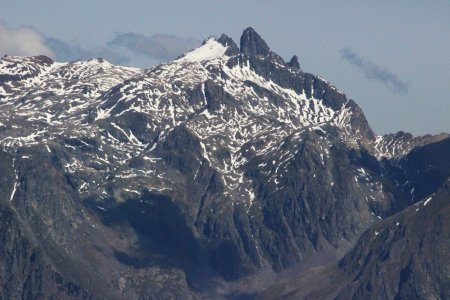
[(409, 40)]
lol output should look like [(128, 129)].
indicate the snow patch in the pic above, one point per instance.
[(210, 50), (426, 201)]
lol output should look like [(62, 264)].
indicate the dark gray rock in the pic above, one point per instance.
[(293, 63), (228, 42), (404, 257), (252, 44)]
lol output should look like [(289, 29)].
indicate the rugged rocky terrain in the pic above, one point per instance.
[(212, 176), (402, 257)]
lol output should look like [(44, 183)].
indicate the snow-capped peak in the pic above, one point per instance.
[(209, 50)]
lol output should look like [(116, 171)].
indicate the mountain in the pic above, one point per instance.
[(209, 176)]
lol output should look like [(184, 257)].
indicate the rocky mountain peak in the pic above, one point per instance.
[(228, 42), (252, 43), (44, 59), (293, 63)]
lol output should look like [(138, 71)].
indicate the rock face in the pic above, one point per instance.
[(25, 273), (205, 177), (405, 256), (402, 257), (252, 45)]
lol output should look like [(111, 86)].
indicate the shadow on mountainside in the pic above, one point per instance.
[(160, 236)]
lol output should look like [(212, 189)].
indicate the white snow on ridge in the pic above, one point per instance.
[(390, 146), (16, 185), (16, 182), (428, 200), (87, 77), (210, 50)]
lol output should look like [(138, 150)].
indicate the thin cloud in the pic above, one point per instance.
[(161, 47), (372, 71), (23, 41), (71, 52), (123, 48)]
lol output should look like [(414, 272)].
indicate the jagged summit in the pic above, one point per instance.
[(232, 48), (252, 44), (223, 61), (294, 62), (252, 47)]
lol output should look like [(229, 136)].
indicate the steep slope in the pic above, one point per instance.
[(24, 272), (406, 256), (205, 176), (401, 143), (403, 257), (65, 251), (415, 175)]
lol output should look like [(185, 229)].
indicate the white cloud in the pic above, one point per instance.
[(23, 41)]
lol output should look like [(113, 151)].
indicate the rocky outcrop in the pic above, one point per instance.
[(25, 272)]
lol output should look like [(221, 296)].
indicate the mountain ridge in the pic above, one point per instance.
[(205, 173)]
